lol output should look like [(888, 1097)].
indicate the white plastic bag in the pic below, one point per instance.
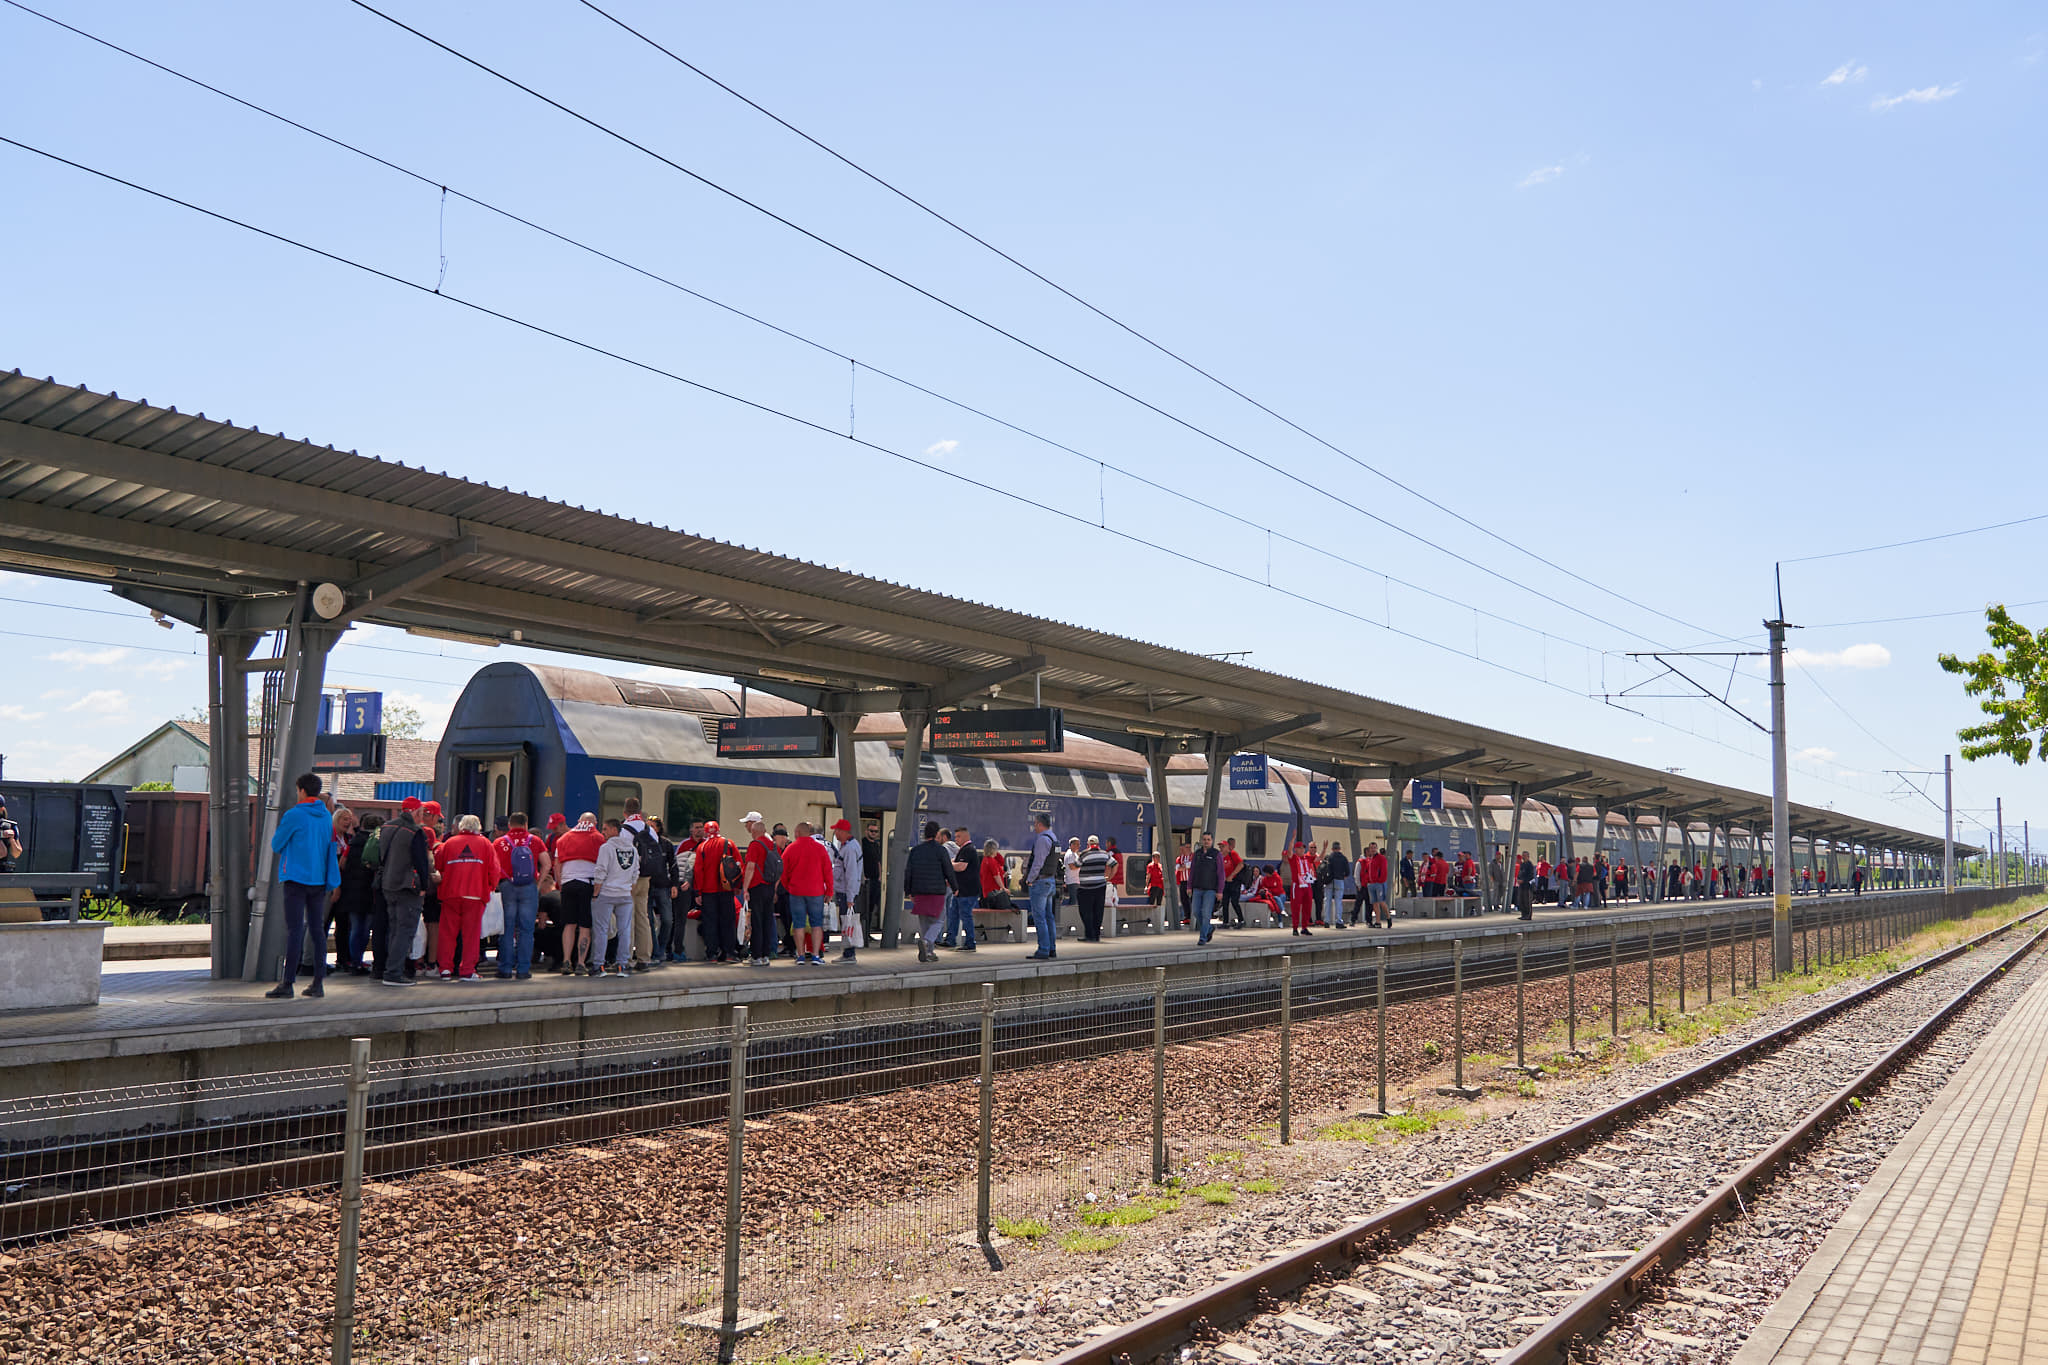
[(831, 914), (850, 931), (419, 941), (494, 917)]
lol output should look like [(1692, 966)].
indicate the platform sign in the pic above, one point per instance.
[(362, 713), (348, 753), (775, 737), (1322, 796), (1247, 772), (1039, 730), (1426, 795)]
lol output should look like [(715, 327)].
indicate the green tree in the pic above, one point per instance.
[(2011, 681), (402, 721)]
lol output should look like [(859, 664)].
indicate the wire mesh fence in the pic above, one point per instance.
[(642, 1199)]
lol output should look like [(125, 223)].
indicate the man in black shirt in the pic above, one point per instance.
[(966, 890)]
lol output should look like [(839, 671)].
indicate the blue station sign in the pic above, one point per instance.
[(1426, 795), (1322, 795), (1247, 772)]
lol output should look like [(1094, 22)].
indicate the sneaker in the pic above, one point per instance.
[(504, 976), (522, 976), (847, 956), (626, 972), (968, 948), (400, 981), (447, 976), (281, 991), (470, 977)]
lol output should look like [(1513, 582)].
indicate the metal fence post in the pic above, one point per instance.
[(735, 1154), (1458, 1086), (1383, 1028), (1681, 966), (1752, 949), (988, 1112), (1734, 986), (1651, 973), (1286, 1049), (355, 1123), (1571, 990), (1159, 1074), (1613, 979), (1521, 1013), (1710, 957)]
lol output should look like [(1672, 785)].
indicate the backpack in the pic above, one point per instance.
[(730, 873), (519, 858), (648, 847), (686, 865), (1244, 878), (771, 865)]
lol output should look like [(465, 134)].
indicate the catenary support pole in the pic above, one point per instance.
[(1613, 980), (1650, 971), (1521, 1008), (354, 1128), (735, 1166), (1781, 810), (1286, 1049), (1571, 990), (1681, 965)]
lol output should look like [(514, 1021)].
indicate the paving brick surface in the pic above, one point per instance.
[(1937, 1258)]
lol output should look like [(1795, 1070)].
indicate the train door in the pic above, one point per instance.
[(490, 785)]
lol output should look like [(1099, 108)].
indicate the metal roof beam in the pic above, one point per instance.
[(1245, 739), (959, 689), (387, 585), (1529, 789), (1406, 772)]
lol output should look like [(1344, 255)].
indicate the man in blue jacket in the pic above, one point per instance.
[(307, 872)]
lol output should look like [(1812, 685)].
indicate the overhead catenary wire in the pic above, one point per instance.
[(1131, 330), (854, 363), (1302, 481), (648, 367), (1918, 540)]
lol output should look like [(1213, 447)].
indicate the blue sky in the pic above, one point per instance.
[(1660, 297)]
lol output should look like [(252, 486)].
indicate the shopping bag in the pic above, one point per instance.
[(851, 933), (831, 914), (419, 942), (494, 917)]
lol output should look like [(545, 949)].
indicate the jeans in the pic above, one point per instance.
[(1204, 903), (610, 915), (1233, 903), (1333, 904), (368, 911), (402, 910), (1042, 910), (515, 945), (661, 911), (960, 918), (305, 912)]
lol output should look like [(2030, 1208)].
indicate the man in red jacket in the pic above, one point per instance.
[(718, 920), (807, 875), (470, 870), (1301, 869)]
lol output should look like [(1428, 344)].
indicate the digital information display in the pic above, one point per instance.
[(1039, 730), (775, 737), (348, 753)]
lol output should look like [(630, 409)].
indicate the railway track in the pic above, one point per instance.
[(1528, 1257), (107, 1179)]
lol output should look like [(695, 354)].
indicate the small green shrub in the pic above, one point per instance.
[(1090, 1243), (1216, 1192), (1265, 1184), (1022, 1229), (1432, 1050)]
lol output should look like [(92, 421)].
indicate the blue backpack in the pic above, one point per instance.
[(519, 857)]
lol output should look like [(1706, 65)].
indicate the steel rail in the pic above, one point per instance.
[(1592, 1312), (1259, 1289)]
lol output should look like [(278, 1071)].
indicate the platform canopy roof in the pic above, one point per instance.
[(171, 509)]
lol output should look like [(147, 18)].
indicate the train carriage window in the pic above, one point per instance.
[(612, 798), (969, 772), (1098, 785), (685, 804), (1134, 788), (1059, 781), (1254, 841), (927, 767), (1016, 776)]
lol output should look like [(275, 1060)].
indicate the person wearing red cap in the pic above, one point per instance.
[(1301, 868), (848, 872)]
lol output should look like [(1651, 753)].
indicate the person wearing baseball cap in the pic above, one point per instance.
[(717, 913), (847, 873), (758, 885)]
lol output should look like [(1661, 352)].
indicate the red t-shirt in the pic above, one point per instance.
[(707, 878), (504, 845), (1231, 863), (1155, 876), (1303, 867), (755, 869), (807, 868)]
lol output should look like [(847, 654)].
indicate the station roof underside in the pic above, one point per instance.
[(169, 507)]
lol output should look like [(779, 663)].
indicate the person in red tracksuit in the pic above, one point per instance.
[(470, 871), (1301, 897)]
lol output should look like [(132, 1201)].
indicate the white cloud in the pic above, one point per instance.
[(434, 712), (1816, 754), (1855, 656), (1642, 739), (56, 694), (942, 447), (12, 712), (1848, 73), (161, 668), (1926, 94), (84, 658), (106, 701), (1542, 175)]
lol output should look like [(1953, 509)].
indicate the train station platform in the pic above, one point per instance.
[(1943, 1257), (167, 1021)]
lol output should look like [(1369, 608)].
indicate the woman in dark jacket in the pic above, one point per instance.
[(359, 901), (927, 879)]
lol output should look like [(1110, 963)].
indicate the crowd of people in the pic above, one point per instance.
[(609, 898)]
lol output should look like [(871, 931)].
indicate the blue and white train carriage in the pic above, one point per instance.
[(545, 740)]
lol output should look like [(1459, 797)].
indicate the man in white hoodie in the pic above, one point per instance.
[(611, 904)]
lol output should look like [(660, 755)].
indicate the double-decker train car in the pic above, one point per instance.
[(544, 740)]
